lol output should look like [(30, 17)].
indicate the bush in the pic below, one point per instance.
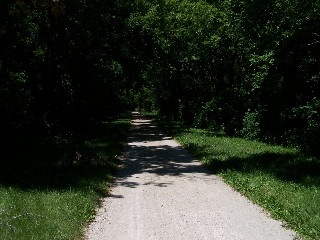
[(210, 116), (251, 125), (307, 133)]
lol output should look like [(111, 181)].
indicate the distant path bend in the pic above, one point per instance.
[(161, 192)]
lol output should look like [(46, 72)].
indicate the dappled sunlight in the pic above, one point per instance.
[(155, 154)]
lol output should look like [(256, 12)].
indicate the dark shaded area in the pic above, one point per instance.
[(60, 73), (57, 178), (168, 126), (84, 162)]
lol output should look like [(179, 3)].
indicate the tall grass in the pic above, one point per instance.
[(282, 180), (57, 201)]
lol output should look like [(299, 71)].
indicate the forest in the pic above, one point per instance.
[(250, 68)]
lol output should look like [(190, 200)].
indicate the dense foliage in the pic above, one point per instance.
[(60, 69), (248, 67)]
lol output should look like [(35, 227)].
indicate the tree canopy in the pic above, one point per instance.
[(249, 68)]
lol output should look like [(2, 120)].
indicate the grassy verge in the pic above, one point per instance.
[(282, 180), (57, 201)]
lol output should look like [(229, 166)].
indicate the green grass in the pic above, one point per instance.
[(281, 180), (58, 201)]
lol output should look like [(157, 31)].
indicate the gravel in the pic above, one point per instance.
[(162, 192)]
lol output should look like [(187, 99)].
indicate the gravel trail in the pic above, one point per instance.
[(162, 192)]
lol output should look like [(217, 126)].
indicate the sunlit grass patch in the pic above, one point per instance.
[(44, 214), (57, 201)]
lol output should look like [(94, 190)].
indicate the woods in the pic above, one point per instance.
[(222, 71), (249, 68), (60, 70)]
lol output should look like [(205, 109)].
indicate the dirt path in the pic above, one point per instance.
[(163, 193)]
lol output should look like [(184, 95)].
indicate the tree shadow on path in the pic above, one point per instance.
[(152, 152)]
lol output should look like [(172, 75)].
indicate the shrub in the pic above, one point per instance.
[(251, 125)]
